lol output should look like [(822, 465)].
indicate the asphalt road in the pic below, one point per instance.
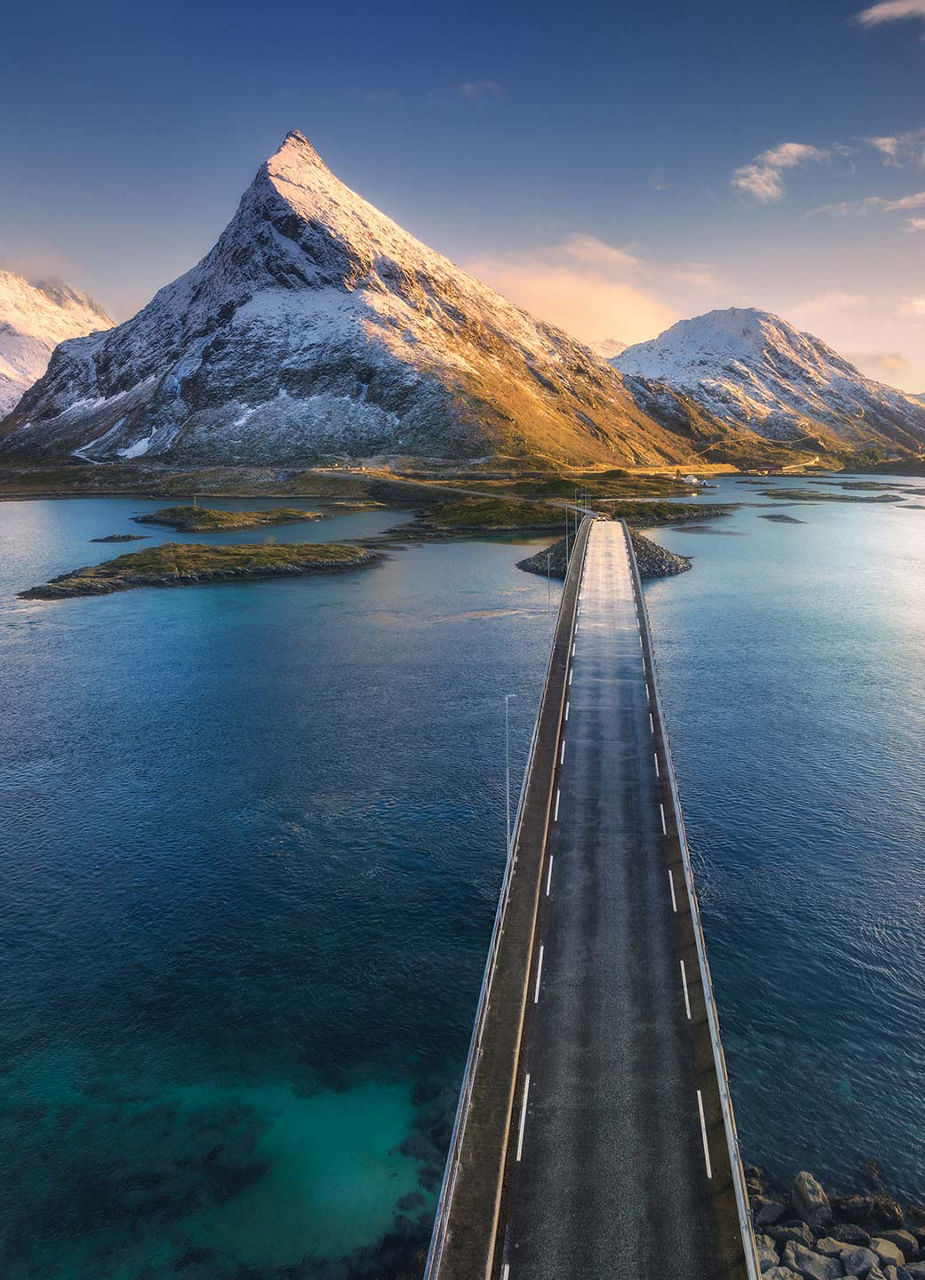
[(607, 1171)]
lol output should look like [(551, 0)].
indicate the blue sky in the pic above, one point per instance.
[(613, 167)]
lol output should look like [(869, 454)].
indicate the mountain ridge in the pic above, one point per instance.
[(317, 326), (34, 318), (749, 368)]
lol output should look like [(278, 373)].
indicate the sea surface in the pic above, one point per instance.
[(251, 837)]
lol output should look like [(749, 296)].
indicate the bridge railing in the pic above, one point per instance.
[(719, 1057), (459, 1125)]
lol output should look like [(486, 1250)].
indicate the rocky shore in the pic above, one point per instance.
[(188, 564), (806, 1233), (654, 561)]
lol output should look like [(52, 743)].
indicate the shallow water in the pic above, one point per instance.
[(252, 837)]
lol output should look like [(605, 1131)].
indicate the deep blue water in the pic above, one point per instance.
[(792, 660), (251, 841)]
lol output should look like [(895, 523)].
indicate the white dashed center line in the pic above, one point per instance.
[(703, 1134), (523, 1118)]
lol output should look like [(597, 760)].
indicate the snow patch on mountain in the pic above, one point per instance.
[(750, 368), (34, 318)]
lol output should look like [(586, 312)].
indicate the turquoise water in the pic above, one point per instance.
[(252, 838)]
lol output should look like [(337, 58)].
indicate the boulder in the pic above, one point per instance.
[(809, 1200), (905, 1241), (810, 1265), (798, 1232), (767, 1254), (890, 1254), (916, 1270), (859, 1261), (780, 1273), (870, 1212), (849, 1233), (830, 1247), (771, 1211)]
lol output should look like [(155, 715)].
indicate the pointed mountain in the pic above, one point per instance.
[(749, 369), (317, 326), (34, 318)]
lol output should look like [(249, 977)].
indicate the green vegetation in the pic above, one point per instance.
[(601, 484), (495, 513), (177, 564), (208, 520), (648, 514)]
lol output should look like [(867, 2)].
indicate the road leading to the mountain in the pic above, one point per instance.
[(616, 1164)]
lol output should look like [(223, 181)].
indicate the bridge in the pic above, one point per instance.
[(595, 1134)]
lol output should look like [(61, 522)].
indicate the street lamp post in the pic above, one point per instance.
[(507, 765)]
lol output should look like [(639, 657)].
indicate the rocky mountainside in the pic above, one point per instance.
[(749, 369), (34, 318), (317, 326)]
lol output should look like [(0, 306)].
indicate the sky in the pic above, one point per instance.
[(613, 167)]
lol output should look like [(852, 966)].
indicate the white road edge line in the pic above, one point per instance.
[(648, 694), (558, 796), (539, 974), (566, 709), (674, 901), (549, 876), (661, 809), (687, 999), (703, 1133), (651, 722), (655, 758), (562, 753), (506, 1271), (523, 1120), (570, 674)]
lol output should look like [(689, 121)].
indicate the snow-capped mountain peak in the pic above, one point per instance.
[(751, 368), (34, 318), (316, 325)]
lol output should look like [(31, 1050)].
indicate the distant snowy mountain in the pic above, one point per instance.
[(609, 348), (750, 369), (318, 326), (34, 318)]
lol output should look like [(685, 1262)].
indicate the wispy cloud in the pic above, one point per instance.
[(879, 364), (890, 11), (479, 90), (915, 224), (833, 300), (897, 150), (914, 307), (872, 204), (599, 291), (762, 179)]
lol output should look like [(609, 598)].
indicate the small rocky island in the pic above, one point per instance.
[(210, 520), (804, 1233), (186, 564), (653, 561), (123, 537)]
